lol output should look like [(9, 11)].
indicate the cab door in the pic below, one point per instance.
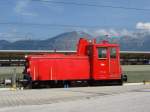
[(114, 66), (101, 63)]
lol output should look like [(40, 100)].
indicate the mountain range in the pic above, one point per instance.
[(138, 41)]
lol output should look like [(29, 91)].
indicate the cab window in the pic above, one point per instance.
[(102, 52), (112, 52)]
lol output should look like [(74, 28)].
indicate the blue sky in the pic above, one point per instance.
[(108, 19)]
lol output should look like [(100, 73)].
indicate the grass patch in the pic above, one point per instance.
[(137, 76), (137, 73)]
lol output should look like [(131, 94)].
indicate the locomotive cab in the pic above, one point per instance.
[(105, 61)]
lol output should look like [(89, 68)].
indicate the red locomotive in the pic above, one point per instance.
[(92, 63)]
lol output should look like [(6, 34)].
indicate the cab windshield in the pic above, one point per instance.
[(102, 52)]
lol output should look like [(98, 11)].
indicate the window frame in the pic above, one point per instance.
[(113, 55), (100, 56)]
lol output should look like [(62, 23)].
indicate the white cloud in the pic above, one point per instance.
[(22, 6), (110, 32), (13, 35), (143, 26), (8, 36), (100, 32)]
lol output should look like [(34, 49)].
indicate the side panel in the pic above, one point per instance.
[(46, 69), (71, 69), (60, 69), (33, 66)]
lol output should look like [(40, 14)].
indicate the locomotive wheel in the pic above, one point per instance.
[(27, 85), (124, 78), (120, 82), (90, 82), (32, 85)]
